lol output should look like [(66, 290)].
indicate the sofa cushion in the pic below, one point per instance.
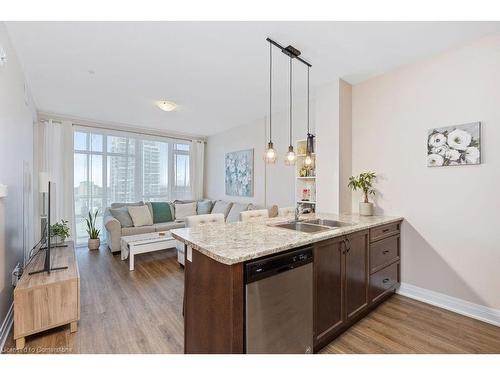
[(118, 205), (121, 214), (161, 212), (222, 207), (204, 207), (140, 215), (163, 227), (183, 210), (234, 212), (132, 231)]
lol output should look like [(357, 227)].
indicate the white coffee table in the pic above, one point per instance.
[(145, 243)]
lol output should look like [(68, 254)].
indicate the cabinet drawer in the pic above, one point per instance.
[(383, 252), (383, 280), (384, 231)]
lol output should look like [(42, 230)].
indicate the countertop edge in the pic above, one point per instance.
[(318, 237)]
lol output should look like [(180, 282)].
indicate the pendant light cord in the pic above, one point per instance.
[(308, 68), (291, 72), (270, 90)]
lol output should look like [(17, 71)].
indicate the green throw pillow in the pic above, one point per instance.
[(161, 212)]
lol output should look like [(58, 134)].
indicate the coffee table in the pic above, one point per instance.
[(145, 243)]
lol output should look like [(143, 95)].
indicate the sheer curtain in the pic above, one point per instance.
[(56, 158), (197, 169)]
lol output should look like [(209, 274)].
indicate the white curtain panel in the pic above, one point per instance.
[(197, 167), (56, 157)]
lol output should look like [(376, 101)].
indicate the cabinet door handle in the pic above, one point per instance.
[(385, 230), (385, 251), (386, 280)]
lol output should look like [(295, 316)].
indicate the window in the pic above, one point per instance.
[(124, 167)]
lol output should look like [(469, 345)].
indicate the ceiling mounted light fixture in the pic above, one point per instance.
[(290, 155), (166, 105), (310, 138), (270, 154)]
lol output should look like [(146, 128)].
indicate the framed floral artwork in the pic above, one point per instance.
[(454, 145), (239, 173)]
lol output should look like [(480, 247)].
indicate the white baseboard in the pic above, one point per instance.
[(6, 326), (460, 306)]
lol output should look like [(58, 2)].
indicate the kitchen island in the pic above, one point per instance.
[(355, 267)]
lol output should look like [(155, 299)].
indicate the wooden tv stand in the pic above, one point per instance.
[(43, 301)]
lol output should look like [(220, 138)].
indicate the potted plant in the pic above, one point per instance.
[(59, 232), (364, 182), (93, 232)]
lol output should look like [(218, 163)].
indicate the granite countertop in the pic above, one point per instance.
[(238, 242)]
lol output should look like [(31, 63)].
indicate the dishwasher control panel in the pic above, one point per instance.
[(265, 267)]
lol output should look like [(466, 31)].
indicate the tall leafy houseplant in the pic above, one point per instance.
[(92, 231), (364, 182)]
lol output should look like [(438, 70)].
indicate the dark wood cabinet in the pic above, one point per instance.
[(328, 288), (356, 273), (353, 274), (341, 277)]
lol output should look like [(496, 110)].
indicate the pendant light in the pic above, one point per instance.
[(310, 138), (290, 155), (270, 154)]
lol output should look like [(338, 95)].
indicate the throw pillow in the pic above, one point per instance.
[(140, 215), (204, 207), (121, 214), (161, 212), (234, 212), (183, 210), (221, 207)]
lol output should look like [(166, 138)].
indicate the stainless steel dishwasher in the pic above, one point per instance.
[(279, 303)]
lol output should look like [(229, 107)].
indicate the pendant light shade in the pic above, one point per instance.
[(270, 155), (290, 155)]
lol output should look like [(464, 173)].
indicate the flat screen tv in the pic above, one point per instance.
[(50, 204)]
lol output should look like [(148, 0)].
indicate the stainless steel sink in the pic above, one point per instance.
[(328, 223), (303, 227)]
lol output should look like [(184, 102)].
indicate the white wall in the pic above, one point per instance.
[(16, 145), (450, 241)]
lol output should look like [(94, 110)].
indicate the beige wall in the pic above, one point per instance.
[(16, 147), (450, 241)]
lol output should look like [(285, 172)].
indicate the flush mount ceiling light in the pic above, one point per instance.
[(3, 56), (166, 105)]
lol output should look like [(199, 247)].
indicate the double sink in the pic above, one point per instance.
[(313, 225)]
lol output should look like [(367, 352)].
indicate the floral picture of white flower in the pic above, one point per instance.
[(454, 145), (239, 173)]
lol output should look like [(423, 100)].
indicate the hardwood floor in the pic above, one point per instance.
[(122, 311), (141, 312)]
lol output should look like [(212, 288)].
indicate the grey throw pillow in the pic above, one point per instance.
[(204, 207), (234, 212), (121, 214), (222, 207)]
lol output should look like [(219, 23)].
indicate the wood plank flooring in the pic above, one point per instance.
[(141, 312)]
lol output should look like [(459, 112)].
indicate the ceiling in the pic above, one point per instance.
[(217, 72)]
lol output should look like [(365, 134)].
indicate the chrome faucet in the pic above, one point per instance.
[(298, 211)]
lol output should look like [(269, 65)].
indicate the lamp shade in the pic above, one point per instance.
[(43, 182)]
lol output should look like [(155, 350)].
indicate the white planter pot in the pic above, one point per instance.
[(365, 209), (94, 243)]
